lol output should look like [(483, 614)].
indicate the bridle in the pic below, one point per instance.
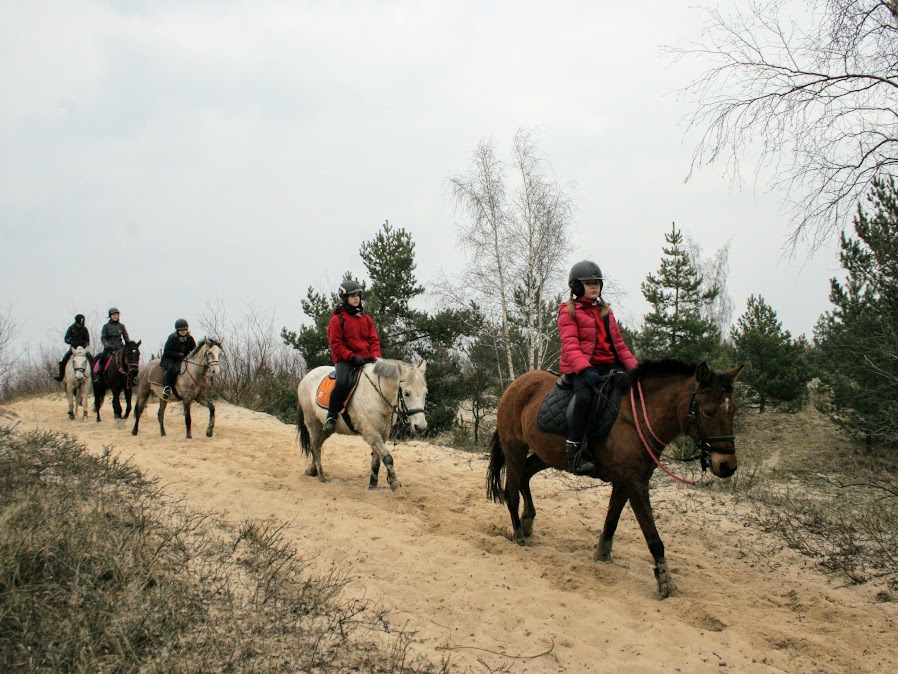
[(206, 364), (130, 367), (702, 442), (400, 406)]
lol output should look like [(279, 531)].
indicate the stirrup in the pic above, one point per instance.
[(579, 462), (330, 425)]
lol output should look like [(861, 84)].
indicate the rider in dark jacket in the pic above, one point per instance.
[(178, 346), (353, 341), (77, 335), (114, 335)]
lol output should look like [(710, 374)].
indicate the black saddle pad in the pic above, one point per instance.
[(557, 407)]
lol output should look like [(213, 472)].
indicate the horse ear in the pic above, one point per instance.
[(732, 374), (422, 366), (139, 343), (703, 374)]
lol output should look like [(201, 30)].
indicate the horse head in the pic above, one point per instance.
[(212, 355), (709, 420), (131, 358), (79, 362), (412, 393)]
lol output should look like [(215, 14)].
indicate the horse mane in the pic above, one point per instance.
[(204, 341), (397, 369), (671, 367)]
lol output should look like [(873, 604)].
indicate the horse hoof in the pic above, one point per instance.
[(311, 471), (372, 486), (134, 432), (519, 538), (209, 433), (71, 416), (189, 436), (527, 525)]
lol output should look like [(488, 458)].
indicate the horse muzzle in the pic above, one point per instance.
[(723, 465), (418, 423)]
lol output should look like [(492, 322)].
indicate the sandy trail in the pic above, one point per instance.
[(437, 555)]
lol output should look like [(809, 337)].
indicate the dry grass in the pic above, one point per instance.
[(821, 494), (100, 571)]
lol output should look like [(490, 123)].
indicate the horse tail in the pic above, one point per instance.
[(494, 488), (304, 440)]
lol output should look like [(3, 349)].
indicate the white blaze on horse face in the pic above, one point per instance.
[(726, 405)]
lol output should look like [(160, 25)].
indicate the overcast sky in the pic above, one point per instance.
[(161, 156)]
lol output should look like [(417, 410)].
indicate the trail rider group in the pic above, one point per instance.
[(591, 347)]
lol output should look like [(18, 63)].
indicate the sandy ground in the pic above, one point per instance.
[(436, 553)]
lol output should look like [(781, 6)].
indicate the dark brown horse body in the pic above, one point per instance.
[(678, 399), (118, 378)]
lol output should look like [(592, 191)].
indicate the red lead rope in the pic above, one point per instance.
[(645, 442)]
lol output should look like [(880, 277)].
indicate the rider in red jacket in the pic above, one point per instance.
[(353, 341), (591, 346)]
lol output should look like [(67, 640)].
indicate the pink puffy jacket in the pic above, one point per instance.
[(580, 336)]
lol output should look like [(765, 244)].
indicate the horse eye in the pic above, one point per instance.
[(405, 393), (707, 413)]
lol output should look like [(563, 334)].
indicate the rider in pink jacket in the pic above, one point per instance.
[(591, 346)]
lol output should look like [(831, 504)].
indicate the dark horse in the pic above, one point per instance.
[(660, 401), (118, 377)]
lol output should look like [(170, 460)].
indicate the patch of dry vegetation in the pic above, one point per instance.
[(821, 494), (100, 571)]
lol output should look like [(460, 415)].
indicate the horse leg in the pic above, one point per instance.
[(532, 467), (99, 395), (85, 398), (127, 403), (116, 403), (161, 415), (516, 458), (187, 419), (139, 408), (380, 452), (202, 400), (71, 399), (375, 470), (616, 503), (642, 508), (315, 439)]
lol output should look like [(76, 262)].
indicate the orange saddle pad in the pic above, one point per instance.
[(323, 394)]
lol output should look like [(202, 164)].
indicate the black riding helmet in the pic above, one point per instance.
[(348, 288), (113, 310), (181, 324), (585, 270), (79, 319)]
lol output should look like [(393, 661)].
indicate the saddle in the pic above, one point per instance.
[(557, 407), (323, 394), (157, 377)]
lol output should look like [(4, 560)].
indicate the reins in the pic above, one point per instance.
[(645, 443), (205, 365), (702, 442), (400, 405)]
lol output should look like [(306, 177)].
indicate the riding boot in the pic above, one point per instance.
[(330, 425), (61, 375), (578, 462)]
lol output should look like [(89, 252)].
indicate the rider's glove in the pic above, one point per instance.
[(358, 361)]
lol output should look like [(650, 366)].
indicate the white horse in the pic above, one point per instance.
[(386, 389), (190, 384), (77, 382)]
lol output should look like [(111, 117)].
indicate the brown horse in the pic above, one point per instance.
[(670, 399)]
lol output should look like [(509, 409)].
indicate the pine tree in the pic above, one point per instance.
[(777, 370), (389, 259), (675, 328), (858, 340)]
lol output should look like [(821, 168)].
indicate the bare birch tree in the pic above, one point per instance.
[(813, 88), (516, 240)]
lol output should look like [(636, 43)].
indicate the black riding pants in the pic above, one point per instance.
[(341, 387), (171, 368), (583, 397)]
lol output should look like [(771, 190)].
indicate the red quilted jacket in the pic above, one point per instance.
[(351, 335), (580, 338)]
